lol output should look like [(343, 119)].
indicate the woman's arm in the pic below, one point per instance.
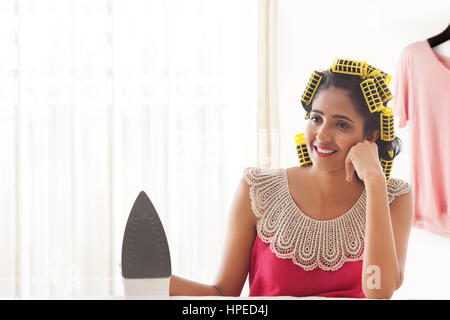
[(183, 287), (386, 239), (387, 228), (233, 271), (380, 266)]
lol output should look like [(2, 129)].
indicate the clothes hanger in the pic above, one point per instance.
[(440, 38)]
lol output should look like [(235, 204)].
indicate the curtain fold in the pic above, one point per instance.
[(268, 115)]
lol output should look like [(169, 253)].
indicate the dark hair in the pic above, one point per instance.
[(351, 83)]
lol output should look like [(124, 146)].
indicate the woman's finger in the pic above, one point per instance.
[(348, 169)]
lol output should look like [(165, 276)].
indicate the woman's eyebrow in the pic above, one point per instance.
[(334, 116)]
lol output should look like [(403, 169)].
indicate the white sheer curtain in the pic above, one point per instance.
[(268, 115), (101, 99)]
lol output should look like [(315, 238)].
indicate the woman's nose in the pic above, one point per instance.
[(323, 134)]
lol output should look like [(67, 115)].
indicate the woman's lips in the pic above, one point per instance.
[(324, 155)]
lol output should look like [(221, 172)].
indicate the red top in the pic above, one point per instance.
[(273, 276), (295, 255)]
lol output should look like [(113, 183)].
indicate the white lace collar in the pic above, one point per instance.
[(310, 243)]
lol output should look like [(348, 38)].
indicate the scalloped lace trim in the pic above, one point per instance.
[(310, 243)]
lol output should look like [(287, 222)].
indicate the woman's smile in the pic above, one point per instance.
[(321, 152)]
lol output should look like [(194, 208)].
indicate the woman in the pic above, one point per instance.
[(336, 226)]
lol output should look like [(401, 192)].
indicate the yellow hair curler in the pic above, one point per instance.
[(302, 151), (387, 124), (387, 166), (311, 87), (383, 90), (348, 66), (371, 69), (307, 115), (371, 95)]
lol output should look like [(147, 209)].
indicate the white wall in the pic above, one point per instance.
[(311, 34)]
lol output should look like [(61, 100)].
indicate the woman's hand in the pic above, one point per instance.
[(363, 158)]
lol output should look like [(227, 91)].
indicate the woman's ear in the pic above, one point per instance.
[(373, 136)]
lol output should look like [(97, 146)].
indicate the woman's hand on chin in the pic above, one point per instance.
[(363, 158)]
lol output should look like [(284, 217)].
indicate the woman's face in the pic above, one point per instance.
[(334, 125)]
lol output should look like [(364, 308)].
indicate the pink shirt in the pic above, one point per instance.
[(422, 99)]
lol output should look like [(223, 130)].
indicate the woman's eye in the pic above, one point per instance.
[(342, 125)]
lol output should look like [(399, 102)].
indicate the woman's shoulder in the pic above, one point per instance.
[(397, 187), (263, 171), (264, 185), (254, 175), (399, 183)]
